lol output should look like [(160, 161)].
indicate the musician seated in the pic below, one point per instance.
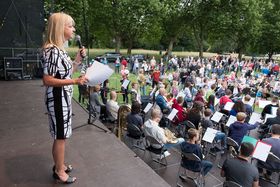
[(239, 129), (206, 122), (191, 146), (151, 128), (268, 108), (264, 128), (182, 113), (161, 101), (248, 108), (134, 118), (112, 106), (274, 141)]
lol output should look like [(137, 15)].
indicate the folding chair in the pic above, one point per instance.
[(155, 147), (231, 184), (272, 158), (232, 150), (137, 136), (199, 178)]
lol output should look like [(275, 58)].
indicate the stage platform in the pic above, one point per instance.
[(99, 159)]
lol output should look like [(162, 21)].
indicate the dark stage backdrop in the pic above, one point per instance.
[(21, 23)]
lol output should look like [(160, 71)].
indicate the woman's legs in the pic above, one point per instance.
[(58, 151)]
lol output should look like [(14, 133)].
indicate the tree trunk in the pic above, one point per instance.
[(130, 45), (170, 46), (270, 56), (201, 49), (239, 55), (118, 44)]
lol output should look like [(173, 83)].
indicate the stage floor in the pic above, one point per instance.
[(99, 159)]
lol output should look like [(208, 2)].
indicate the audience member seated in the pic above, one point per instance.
[(151, 128), (239, 129), (211, 103), (206, 122), (200, 96), (182, 114), (274, 141), (112, 106), (248, 108), (134, 118), (240, 170), (195, 113), (224, 99), (264, 128), (268, 108), (161, 101), (191, 146), (237, 107), (96, 103)]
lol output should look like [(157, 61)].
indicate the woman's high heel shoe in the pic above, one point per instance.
[(69, 168), (69, 180)]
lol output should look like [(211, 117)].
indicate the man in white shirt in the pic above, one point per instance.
[(151, 128), (112, 105)]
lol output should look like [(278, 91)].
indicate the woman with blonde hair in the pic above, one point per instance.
[(58, 69)]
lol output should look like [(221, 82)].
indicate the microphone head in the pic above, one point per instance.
[(78, 40)]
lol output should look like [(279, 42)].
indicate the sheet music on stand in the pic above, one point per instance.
[(228, 106), (148, 107), (216, 101), (125, 83), (250, 139), (217, 116), (153, 91), (261, 151), (209, 135), (268, 116), (255, 117), (231, 120), (274, 110), (172, 114), (263, 103)]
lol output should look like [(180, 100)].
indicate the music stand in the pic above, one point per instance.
[(89, 121)]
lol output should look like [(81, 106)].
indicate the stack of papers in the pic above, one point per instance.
[(172, 114), (217, 116), (231, 120), (209, 135), (228, 106), (148, 107), (255, 117), (261, 151)]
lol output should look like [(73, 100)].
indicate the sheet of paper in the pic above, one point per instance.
[(125, 83), (255, 117), (216, 101), (269, 116), (261, 151), (97, 73), (263, 103), (231, 120), (228, 106), (172, 114), (153, 91), (217, 116), (274, 110), (250, 139), (209, 135), (148, 107)]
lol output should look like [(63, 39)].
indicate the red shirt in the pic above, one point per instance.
[(156, 75), (180, 115), (124, 63), (224, 100), (276, 68)]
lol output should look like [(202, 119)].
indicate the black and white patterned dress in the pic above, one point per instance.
[(58, 64)]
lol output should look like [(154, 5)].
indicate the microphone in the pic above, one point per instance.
[(78, 40), (79, 43)]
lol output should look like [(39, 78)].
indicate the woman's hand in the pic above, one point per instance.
[(80, 55), (81, 80)]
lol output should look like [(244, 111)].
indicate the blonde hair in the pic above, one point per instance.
[(55, 29), (240, 116)]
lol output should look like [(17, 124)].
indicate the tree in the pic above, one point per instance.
[(269, 40)]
